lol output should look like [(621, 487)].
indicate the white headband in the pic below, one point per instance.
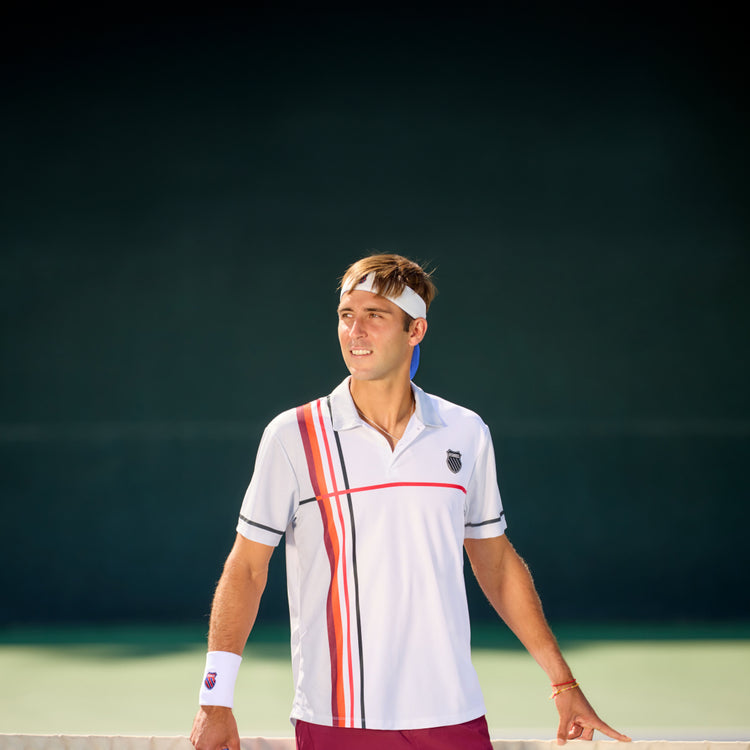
[(409, 301)]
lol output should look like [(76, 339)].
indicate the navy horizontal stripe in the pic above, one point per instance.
[(486, 523), (260, 525)]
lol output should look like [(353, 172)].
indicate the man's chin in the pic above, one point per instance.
[(359, 375), (362, 373)]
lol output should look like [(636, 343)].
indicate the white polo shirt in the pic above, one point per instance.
[(374, 546)]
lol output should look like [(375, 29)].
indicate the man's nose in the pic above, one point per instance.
[(357, 328)]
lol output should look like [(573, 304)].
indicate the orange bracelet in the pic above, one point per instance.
[(557, 692)]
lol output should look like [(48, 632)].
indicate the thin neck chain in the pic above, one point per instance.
[(377, 426)]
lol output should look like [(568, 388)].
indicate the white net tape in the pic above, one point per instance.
[(100, 742)]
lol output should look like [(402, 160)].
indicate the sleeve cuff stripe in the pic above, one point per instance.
[(486, 523), (260, 526)]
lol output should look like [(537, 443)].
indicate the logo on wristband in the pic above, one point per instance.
[(210, 681)]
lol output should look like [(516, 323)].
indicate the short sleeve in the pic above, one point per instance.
[(484, 514), (273, 494)]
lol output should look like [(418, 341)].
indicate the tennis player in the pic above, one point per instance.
[(378, 488)]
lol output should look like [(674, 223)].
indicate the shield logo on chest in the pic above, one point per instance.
[(454, 461)]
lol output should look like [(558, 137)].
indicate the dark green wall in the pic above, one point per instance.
[(180, 198)]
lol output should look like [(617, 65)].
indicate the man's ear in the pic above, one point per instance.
[(417, 331)]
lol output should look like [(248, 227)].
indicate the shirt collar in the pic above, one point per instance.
[(345, 415)]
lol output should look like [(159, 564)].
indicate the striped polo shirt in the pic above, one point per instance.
[(374, 553)]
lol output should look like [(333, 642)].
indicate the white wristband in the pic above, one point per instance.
[(217, 688)]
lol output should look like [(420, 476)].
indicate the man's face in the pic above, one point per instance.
[(373, 341)]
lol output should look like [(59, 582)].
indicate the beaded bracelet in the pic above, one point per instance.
[(567, 686), (562, 684)]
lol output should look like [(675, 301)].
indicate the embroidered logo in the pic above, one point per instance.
[(454, 461), (210, 681)]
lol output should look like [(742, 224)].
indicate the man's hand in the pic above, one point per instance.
[(578, 720), (215, 728)]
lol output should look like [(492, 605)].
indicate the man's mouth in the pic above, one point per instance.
[(360, 352)]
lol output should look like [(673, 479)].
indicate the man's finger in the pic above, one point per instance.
[(613, 733)]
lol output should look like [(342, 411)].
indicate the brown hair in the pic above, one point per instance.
[(391, 274)]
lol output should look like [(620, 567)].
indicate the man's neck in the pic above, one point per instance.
[(388, 403)]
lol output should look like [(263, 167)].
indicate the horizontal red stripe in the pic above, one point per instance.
[(392, 484)]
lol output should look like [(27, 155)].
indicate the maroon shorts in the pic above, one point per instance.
[(473, 735)]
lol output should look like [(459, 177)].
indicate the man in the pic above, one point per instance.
[(378, 488)]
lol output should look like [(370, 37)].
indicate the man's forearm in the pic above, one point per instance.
[(236, 601), (509, 587)]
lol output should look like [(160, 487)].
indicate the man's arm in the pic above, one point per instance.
[(507, 583), (233, 614)]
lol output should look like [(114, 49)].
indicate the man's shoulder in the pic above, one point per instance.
[(451, 413), (288, 420)]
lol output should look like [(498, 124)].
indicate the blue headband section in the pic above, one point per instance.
[(414, 362)]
